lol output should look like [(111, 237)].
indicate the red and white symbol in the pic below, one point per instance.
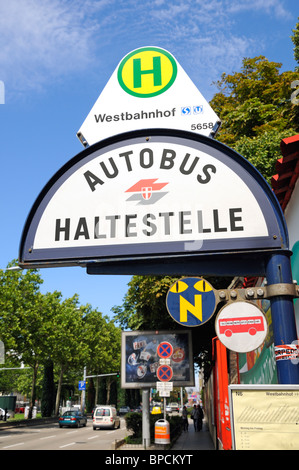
[(146, 192), (178, 355), (145, 189)]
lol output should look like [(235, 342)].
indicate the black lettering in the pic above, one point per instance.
[(150, 158), (92, 180), (166, 216), (216, 222), (193, 164), (149, 224), (114, 168), (112, 219), (65, 229), (200, 224), (100, 117), (167, 161), (233, 219), (183, 222), (129, 225), (126, 155), (82, 230), (96, 228), (205, 170)]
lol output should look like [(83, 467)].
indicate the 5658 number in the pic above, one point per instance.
[(202, 125)]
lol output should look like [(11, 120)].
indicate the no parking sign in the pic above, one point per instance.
[(164, 373), (165, 350)]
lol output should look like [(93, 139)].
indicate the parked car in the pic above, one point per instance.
[(72, 418), (124, 409), (168, 409), (105, 416), (174, 406), (2, 414)]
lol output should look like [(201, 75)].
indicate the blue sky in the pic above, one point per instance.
[(56, 56)]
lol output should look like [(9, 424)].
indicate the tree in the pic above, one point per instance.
[(295, 39), (256, 111), (48, 391), (21, 318)]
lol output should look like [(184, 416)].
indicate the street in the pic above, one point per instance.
[(51, 437)]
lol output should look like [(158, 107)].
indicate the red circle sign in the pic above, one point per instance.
[(164, 350), (164, 373), (178, 355)]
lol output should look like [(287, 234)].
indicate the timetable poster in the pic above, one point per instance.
[(265, 417)]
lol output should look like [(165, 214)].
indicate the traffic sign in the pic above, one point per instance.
[(241, 326), (160, 386), (148, 89), (82, 385), (164, 350), (191, 301), (164, 373)]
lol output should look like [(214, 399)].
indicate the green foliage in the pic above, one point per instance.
[(295, 39), (38, 329), (256, 111)]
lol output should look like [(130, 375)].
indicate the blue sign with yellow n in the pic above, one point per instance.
[(191, 301)]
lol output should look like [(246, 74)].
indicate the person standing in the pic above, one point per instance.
[(185, 419), (200, 417), (195, 416)]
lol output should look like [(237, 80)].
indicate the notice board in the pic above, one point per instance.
[(264, 417)]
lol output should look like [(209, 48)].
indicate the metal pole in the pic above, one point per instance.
[(146, 437), (278, 270), (83, 392)]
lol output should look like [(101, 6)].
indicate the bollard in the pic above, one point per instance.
[(162, 432)]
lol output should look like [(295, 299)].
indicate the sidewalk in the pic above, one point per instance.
[(191, 440), (188, 440)]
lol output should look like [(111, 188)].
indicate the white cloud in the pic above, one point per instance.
[(42, 40), (270, 7), (46, 40)]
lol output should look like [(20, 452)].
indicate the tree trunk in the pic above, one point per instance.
[(33, 390), (59, 391)]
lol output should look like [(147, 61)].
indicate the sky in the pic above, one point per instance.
[(56, 56)]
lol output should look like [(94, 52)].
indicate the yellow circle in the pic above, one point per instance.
[(147, 72)]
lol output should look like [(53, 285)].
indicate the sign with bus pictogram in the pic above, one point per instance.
[(241, 326)]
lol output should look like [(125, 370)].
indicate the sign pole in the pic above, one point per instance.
[(278, 271)]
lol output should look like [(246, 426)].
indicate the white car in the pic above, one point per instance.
[(105, 416)]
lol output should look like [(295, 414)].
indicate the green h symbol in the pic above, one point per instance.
[(156, 71)]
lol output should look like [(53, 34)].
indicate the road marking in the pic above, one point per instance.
[(93, 437), (66, 445), (47, 437), (14, 445)]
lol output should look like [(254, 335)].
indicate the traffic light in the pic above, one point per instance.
[(118, 374)]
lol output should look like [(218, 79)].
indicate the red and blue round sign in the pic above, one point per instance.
[(164, 350), (164, 373)]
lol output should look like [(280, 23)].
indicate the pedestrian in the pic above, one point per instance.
[(185, 419), (200, 418), (195, 416)]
